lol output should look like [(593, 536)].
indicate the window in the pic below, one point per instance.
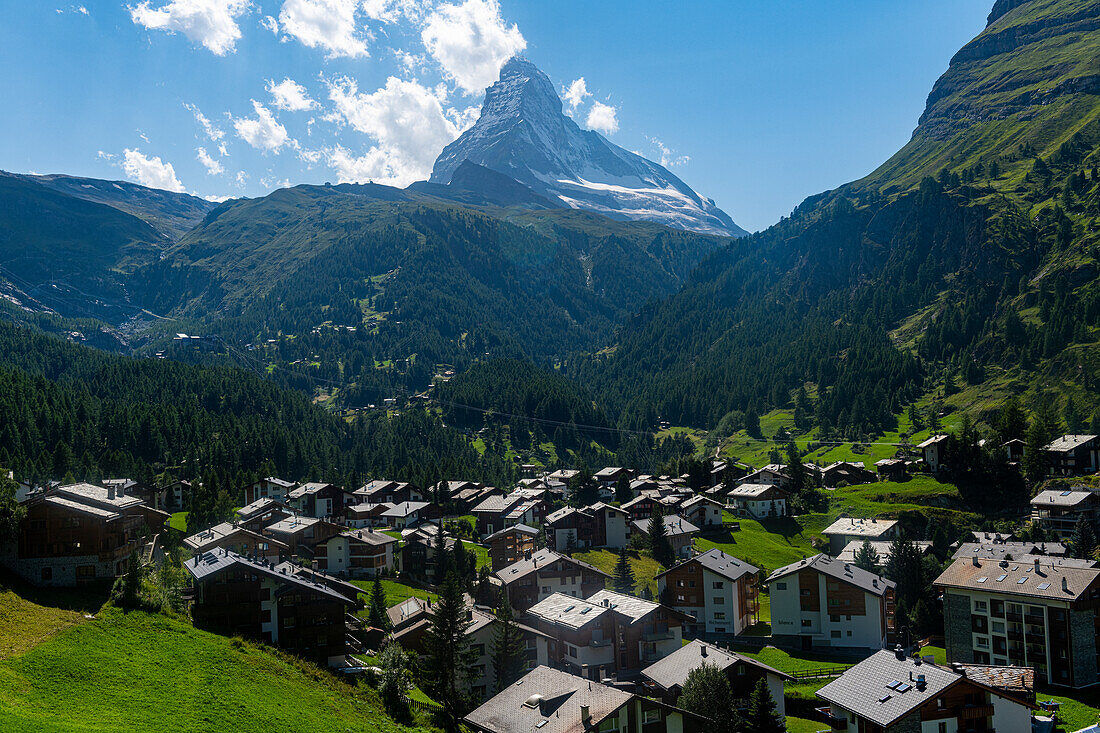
[(719, 616), (719, 601), (942, 728), (980, 606), (806, 623), (718, 585), (805, 591), (849, 632), (571, 650), (982, 642), (651, 716), (834, 634), (679, 584), (999, 627), (546, 589), (781, 586), (478, 649), (289, 622)]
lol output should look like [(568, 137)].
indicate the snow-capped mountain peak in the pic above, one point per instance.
[(523, 133)]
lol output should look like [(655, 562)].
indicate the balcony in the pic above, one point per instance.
[(836, 722), (975, 712), (658, 636)]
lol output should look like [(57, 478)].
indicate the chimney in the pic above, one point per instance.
[(585, 715), (899, 653), (975, 561), (1036, 566), (111, 492), (1065, 584), (703, 650)]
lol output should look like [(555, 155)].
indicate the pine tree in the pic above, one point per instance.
[(377, 616), (658, 537), (707, 692), (623, 493), (1083, 540), (11, 511), (905, 566), (450, 658), (762, 715), (867, 557), (795, 470), (624, 580), (570, 543), (1035, 459), (507, 646), (442, 557)]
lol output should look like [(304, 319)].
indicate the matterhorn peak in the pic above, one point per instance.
[(524, 134)]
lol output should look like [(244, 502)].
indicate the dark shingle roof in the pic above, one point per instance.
[(838, 569), (1019, 577), (216, 561), (538, 560), (672, 671), (719, 563)]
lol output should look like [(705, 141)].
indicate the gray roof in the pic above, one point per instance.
[(207, 537), (1056, 497), (540, 559), (633, 608), (215, 561), (406, 508), (932, 441), (864, 689), (1019, 578), (600, 506), (675, 525), (699, 500), (1017, 550), (521, 528), (846, 572), (97, 494), (560, 514), (369, 536), (292, 525), (751, 491), (719, 563), (248, 511), (672, 671), (881, 547), (856, 527), (546, 700), (310, 488), (568, 611), (1069, 443), (82, 508)]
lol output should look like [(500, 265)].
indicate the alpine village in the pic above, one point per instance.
[(529, 448)]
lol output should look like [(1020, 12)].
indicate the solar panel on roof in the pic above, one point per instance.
[(894, 684), (982, 579), (1021, 581), (1044, 586), (1066, 493), (1001, 577), (904, 687)]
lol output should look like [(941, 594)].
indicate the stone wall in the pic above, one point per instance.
[(1082, 634), (958, 637)]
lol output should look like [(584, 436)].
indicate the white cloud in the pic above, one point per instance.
[(242, 179), (150, 171), (391, 11), (289, 95), (80, 9), (575, 94), (223, 150), (263, 131), (212, 166), (208, 127), (471, 42), (269, 23), (602, 118), (217, 199), (103, 155), (327, 24), (213, 23), (406, 120), (668, 157)]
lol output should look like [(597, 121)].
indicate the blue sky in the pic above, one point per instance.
[(755, 104)]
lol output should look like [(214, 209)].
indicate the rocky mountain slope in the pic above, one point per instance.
[(523, 133)]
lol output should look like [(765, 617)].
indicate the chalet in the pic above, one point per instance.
[(302, 533), (1058, 511), (702, 512), (227, 536), (850, 529), (848, 473), (390, 492), (418, 553), (409, 514), (263, 513), (510, 545), (498, 512), (724, 472), (1035, 612), (772, 474), (80, 533), (666, 677), (758, 501), (932, 451), (891, 469), (350, 591), (571, 528), (322, 501), (176, 495), (610, 476), (563, 476), (644, 631), (22, 488), (891, 693), (551, 701), (268, 488), (547, 572), (362, 516), (718, 591), (825, 602), (680, 532), (238, 596), (640, 507), (1073, 455), (881, 548), (612, 526), (362, 553), (1014, 450)]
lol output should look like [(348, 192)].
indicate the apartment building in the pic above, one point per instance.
[(1058, 511), (1035, 612), (718, 591), (546, 572), (363, 553), (850, 529), (512, 544)]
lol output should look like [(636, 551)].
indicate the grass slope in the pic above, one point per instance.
[(137, 671), (645, 567)]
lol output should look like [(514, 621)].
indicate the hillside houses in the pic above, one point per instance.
[(228, 536), (512, 544), (1058, 511), (320, 500), (498, 512), (546, 572), (358, 554), (718, 591), (680, 532), (758, 501), (850, 529)]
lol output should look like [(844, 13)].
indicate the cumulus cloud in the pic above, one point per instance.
[(391, 11), (213, 167), (406, 120), (602, 118), (210, 130), (269, 23), (217, 199), (471, 42), (263, 131), (327, 24), (289, 95), (150, 171), (223, 150), (213, 23), (575, 94)]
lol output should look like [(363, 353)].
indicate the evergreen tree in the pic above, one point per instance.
[(624, 576), (795, 470), (377, 616), (867, 558), (394, 681), (707, 692), (1083, 540), (1035, 460), (762, 715), (623, 493), (570, 543), (442, 557), (11, 511), (752, 422), (1011, 422), (659, 544), (507, 646), (905, 566), (450, 658)]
